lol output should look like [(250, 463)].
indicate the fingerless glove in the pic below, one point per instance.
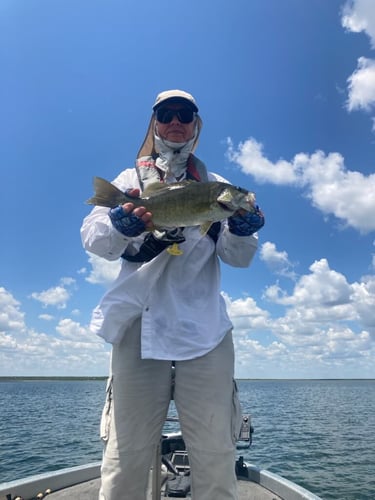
[(126, 223), (245, 225)]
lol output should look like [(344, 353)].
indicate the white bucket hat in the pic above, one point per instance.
[(148, 147)]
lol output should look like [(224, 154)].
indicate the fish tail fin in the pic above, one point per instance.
[(106, 194)]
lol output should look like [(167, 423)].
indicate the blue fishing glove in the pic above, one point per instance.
[(126, 223), (245, 225)]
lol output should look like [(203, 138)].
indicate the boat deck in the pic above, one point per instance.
[(89, 491)]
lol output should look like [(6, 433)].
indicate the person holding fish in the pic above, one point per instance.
[(171, 222)]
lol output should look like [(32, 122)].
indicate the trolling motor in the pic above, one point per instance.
[(246, 433), (243, 443)]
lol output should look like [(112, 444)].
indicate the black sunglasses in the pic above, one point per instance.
[(165, 115)]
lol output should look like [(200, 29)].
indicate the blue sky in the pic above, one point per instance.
[(286, 90)]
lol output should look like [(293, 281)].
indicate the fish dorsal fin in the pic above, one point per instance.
[(154, 187), (157, 187)]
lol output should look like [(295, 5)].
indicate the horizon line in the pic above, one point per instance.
[(104, 377)]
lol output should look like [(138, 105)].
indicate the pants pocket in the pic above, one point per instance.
[(105, 420), (236, 414)]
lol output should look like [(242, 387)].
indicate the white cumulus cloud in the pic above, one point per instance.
[(359, 15), (102, 272), (73, 330), (331, 187), (11, 317), (69, 349), (56, 296), (46, 317), (361, 85), (277, 261), (322, 326), (249, 155)]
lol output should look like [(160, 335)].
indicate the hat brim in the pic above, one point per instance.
[(177, 100)]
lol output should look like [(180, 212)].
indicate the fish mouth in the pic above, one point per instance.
[(225, 207)]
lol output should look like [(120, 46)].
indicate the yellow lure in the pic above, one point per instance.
[(174, 249)]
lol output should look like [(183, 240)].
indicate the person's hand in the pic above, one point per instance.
[(130, 220), (244, 223)]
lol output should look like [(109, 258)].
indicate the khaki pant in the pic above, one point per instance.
[(137, 405)]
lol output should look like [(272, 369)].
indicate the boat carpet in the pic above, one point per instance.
[(89, 491)]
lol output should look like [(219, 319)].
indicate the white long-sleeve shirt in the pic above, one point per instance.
[(178, 299)]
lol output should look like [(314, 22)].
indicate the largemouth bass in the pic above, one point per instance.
[(186, 203)]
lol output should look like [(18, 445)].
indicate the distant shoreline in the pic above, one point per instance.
[(104, 377), (62, 378)]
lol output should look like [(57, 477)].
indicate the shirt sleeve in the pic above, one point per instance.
[(236, 251)]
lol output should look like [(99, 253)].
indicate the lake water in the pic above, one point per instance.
[(318, 433)]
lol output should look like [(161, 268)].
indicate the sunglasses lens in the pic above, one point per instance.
[(185, 115), (165, 115)]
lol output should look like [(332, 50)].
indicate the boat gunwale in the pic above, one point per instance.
[(54, 480), (71, 476)]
